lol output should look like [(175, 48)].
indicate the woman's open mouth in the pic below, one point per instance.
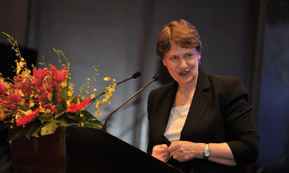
[(183, 73)]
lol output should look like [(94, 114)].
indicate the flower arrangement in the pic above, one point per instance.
[(37, 103)]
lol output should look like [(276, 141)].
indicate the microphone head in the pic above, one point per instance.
[(156, 77), (137, 74)]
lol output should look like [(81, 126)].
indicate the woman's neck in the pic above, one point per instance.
[(186, 89), (185, 94)]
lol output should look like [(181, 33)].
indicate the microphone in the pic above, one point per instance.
[(155, 78), (135, 75)]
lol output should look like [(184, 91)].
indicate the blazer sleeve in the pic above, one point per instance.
[(239, 124)]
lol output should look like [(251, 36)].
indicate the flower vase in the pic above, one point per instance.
[(44, 154)]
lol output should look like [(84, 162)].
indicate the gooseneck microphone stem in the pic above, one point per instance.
[(135, 75), (156, 77)]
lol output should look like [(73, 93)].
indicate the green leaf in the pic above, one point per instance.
[(24, 108), (49, 128), (74, 117), (96, 122), (54, 96), (58, 114), (36, 132), (63, 92), (61, 107), (45, 117), (29, 129), (87, 114), (90, 120), (2, 98), (95, 125), (63, 119), (16, 136), (65, 122), (74, 99)]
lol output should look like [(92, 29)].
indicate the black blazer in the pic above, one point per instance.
[(219, 112)]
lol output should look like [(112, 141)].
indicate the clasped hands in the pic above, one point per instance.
[(179, 150)]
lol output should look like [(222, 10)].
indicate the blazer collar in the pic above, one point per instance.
[(164, 112)]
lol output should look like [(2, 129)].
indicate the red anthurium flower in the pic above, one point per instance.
[(74, 108), (39, 74), (60, 75), (27, 118), (3, 88), (15, 97)]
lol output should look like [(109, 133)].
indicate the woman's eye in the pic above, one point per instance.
[(190, 55), (173, 58)]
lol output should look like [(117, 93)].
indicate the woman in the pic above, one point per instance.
[(200, 122)]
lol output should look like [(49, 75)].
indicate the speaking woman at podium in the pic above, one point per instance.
[(200, 122)]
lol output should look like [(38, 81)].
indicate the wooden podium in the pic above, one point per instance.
[(80, 149)]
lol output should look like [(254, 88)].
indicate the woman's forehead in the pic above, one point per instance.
[(176, 49)]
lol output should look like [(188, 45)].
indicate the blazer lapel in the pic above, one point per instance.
[(198, 106), (164, 113)]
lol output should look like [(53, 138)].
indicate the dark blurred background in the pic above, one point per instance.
[(244, 38)]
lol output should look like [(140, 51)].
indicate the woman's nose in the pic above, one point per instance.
[(183, 63)]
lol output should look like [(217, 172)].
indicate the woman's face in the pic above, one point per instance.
[(182, 64)]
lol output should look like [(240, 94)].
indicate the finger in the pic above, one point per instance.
[(175, 156), (160, 150), (164, 146), (173, 147), (163, 156)]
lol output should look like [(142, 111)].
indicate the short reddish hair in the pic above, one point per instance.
[(182, 33)]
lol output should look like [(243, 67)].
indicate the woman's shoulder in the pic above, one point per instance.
[(164, 90), (218, 81), (226, 82), (227, 86)]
